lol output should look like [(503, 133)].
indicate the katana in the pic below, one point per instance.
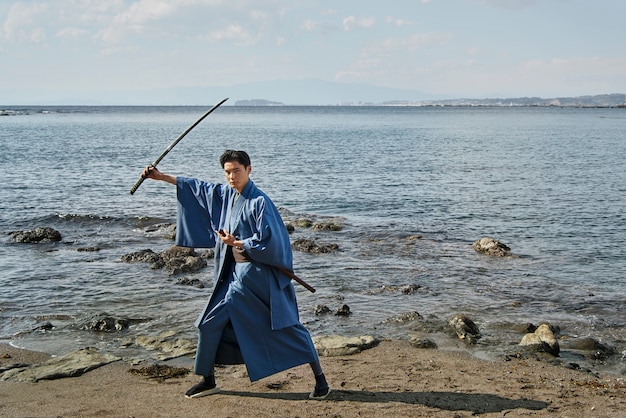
[(173, 144), (296, 278)]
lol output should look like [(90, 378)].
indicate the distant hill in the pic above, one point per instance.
[(600, 100)]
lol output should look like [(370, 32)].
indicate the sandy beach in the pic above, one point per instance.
[(391, 379)]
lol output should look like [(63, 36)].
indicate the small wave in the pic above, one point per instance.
[(81, 220), (72, 217), (13, 112), (92, 219)]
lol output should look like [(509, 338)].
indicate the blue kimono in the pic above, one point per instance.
[(252, 314)]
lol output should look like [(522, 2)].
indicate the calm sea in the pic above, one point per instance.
[(413, 187)]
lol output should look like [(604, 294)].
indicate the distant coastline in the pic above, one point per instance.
[(615, 100)]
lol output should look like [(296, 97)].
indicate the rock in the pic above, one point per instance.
[(277, 385), (490, 246), (303, 223), (465, 328), (422, 342), (161, 372), (36, 235), (584, 344), (88, 249), (11, 366), (344, 310), (335, 345), (71, 365), (525, 328), (186, 281), (163, 230), (143, 256), (405, 317), (182, 260), (321, 309), (543, 339), (412, 238), (326, 226), (590, 347), (46, 326), (166, 346), (410, 289), (175, 260), (105, 323), (407, 289), (175, 252), (310, 246)]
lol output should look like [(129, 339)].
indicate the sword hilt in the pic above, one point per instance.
[(136, 186), (141, 179)]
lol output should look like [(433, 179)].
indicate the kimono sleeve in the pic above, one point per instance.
[(198, 211)]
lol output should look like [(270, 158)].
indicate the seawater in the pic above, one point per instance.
[(413, 187)]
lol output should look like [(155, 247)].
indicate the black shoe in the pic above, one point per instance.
[(201, 389), (322, 390), (319, 393)]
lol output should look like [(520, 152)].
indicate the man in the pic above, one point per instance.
[(252, 314)]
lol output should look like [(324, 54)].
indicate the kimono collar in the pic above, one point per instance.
[(247, 189)]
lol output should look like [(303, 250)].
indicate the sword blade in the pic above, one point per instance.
[(176, 141)]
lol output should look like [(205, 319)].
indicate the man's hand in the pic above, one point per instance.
[(151, 172), (229, 239)]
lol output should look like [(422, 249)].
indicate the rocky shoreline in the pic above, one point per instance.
[(540, 342), (370, 376)]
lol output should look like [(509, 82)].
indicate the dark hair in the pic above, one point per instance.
[(230, 155)]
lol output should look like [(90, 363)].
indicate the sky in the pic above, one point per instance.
[(52, 49)]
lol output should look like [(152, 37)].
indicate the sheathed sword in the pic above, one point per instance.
[(173, 144), (296, 278)]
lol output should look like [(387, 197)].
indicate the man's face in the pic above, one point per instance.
[(237, 174)]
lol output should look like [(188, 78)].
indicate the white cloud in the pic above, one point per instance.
[(399, 22), (352, 22), (144, 11), (37, 36), (314, 26), (71, 33), (398, 61), (231, 32), (310, 25), (21, 23), (402, 45), (110, 36), (260, 15), (508, 4)]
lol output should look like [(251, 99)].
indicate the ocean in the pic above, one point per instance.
[(412, 188)]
